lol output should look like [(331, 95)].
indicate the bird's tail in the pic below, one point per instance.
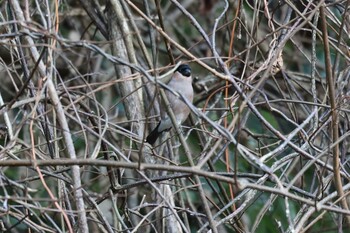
[(152, 137)]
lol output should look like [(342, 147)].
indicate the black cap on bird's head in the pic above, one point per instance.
[(184, 69)]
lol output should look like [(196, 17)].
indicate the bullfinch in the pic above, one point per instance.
[(181, 82)]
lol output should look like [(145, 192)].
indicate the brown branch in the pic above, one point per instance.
[(335, 121)]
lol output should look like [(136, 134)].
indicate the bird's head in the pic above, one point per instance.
[(184, 69)]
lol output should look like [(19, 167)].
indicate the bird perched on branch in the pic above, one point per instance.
[(181, 82)]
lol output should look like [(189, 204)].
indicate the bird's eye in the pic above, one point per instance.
[(185, 70)]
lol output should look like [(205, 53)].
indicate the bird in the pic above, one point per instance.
[(181, 82)]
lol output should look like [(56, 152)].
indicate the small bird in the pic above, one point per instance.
[(181, 82)]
